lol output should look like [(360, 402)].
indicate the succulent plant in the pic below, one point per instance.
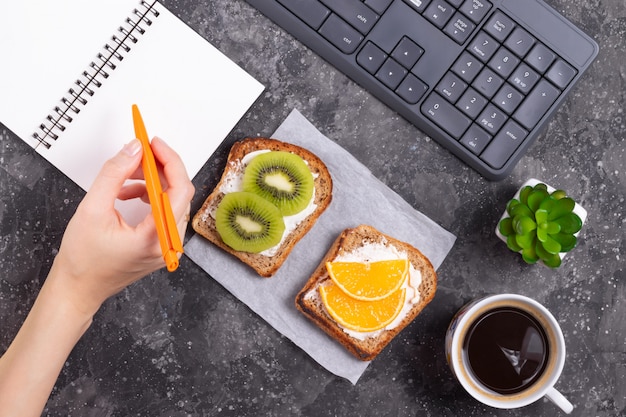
[(541, 224)]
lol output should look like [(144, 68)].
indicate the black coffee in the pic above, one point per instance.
[(507, 350)]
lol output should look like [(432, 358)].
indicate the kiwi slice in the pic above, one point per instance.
[(283, 178), (248, 223)]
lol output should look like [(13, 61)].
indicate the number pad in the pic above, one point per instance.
[(524, 78), (471, 103), (487, 82), (483, 46), (503, 84)]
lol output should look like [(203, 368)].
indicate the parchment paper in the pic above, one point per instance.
[(358, 198)]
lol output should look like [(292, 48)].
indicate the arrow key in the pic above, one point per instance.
[(391, 73), (371, 57), (412, 89), (407, 52)]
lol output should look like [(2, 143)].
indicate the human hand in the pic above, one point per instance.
[(100, 253)]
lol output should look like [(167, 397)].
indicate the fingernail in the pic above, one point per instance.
[(160, 140), (132, 148)]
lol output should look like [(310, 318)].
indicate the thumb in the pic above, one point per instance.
[(114, 173)]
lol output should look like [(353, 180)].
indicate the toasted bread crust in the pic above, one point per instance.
[(349, 240), (266, 266)]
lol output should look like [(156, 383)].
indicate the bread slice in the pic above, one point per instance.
[(204, 222), (309, 302)]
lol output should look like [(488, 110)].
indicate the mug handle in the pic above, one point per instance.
[(558, 399)]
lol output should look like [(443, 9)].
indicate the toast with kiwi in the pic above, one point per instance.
[(270, 195), (367, 243)]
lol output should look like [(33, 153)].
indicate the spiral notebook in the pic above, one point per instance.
[(71, 69)]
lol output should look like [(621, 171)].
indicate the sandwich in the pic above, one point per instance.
[(368, 287), (270, 195)]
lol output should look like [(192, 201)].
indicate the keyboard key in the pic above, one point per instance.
[(483, 46), (561, 73), (312, 12), (341, 34), (371, 57), (499, 26), (520, 42), (419, 5), (524, 78), (471, 103), (475, 9), (455, 3), (504, 145), (379, 6), (355, 12), (391, 73), (487, 82), (459, 28), (475, 139), (467, 66), (540, 57), (407, 52), (536, 104), (412, 89), (508, 98), (504, 62), (439, 12), (492, 119), (445, 115), (451, 87)]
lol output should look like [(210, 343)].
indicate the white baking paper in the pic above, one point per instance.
[(358, 198)]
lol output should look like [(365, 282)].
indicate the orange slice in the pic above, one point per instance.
[(359, 315), (369, 281)]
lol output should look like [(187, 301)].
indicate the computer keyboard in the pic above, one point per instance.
[(480, 77)]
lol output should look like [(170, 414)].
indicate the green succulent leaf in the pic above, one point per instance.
[(566, 240), (541, 252), (523, 225), (511, 243), (526, 241), (553, 228), (541, 186), (570, 223), (523, 194), (551, 245), (542, 234), (562, 207), (512, 203), (535, 198), (506, 226), (553, 261), (558, 194), (547, 204), (521, 210), (541, 216), (529, 255)]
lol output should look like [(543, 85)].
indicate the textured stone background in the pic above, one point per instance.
[(180, 345)]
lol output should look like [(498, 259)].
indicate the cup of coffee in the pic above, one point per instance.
[(507, 351)]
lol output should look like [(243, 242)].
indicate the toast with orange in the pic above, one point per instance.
[(368, 287)]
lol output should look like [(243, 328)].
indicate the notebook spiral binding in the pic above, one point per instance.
[(96, 73)]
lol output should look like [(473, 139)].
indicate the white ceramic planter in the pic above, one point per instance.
[(578, 209)]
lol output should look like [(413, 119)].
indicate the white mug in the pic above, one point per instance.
[(463, 327)]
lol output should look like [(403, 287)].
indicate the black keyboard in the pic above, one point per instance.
[(480, 77)]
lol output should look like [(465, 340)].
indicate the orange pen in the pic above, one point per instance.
[(164, 220)]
